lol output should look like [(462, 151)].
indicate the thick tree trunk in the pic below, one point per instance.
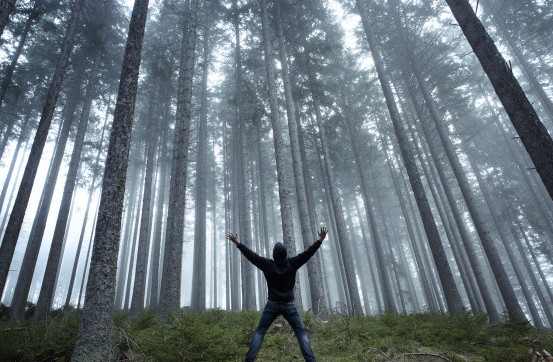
[(198, 301), (172, 259), (533, 134), (47, 289), (16, 218), (444, 271), (314, 277), (283, 188), (95, 338)]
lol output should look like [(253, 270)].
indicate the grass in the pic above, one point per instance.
[(218, 335)]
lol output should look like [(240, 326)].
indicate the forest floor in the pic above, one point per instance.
[(218, 335)]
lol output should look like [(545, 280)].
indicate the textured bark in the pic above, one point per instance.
[(533, 134), (6, 8), (198, 301), (20, 206), (314, 277), (139, 289), (283, 188), (172, 259), (47, 288), (95, 338), (444, 271)]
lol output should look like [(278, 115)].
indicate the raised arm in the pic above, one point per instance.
[(302, 258), (254, 258)]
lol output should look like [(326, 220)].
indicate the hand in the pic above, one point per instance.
[(322, 233), (234, 238)]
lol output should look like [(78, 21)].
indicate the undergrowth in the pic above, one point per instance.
[(218, 335)]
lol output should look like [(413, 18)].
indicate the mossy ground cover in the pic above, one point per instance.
[(218, 335)]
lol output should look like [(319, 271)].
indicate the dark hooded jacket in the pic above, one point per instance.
[(280, 272)]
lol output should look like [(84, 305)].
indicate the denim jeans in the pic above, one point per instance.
[(290, 313)]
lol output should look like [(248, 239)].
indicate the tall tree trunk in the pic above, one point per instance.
[(47, 289), (172, 259), (16, 218), (524, 287), (95, 338), (158, 228), (199, 282), (6, 8), (131, 209), (533, 134), (19, 300), (139, 289), (505, 287), (377, 243), (343, 239), (283, 188), (314, 277), (91, 189), (451, 293), (248, 285)]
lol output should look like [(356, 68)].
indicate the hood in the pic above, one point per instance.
[(279, 253)]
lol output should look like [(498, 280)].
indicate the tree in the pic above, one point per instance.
[(451, 292), (532, 132), (171, 277), (16, 218), (95, 338)]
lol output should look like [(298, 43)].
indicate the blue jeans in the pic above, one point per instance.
[(290, 313)]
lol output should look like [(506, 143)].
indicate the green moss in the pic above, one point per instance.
[(218, 335)]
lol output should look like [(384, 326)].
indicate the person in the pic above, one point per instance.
[(280, 274)]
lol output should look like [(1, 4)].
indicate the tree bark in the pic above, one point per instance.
[(172, 259), (95, 338)]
